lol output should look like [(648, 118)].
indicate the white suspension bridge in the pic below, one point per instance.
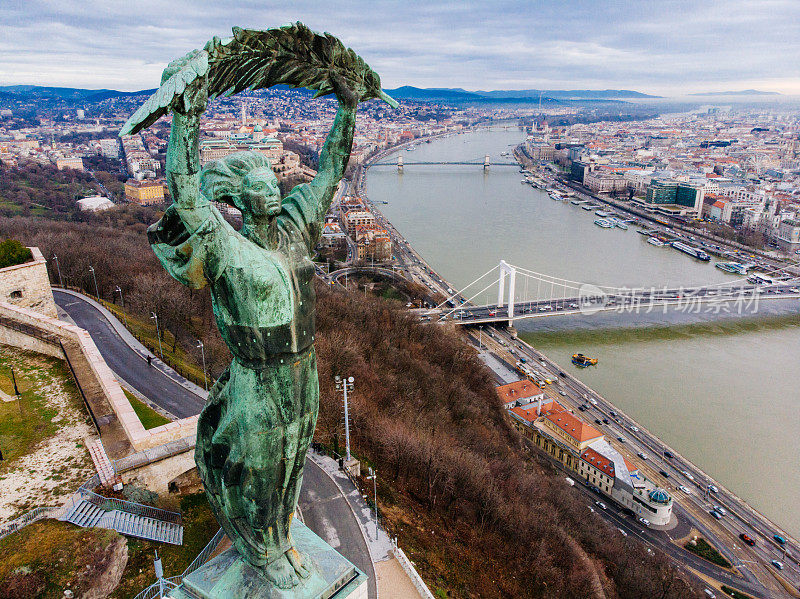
[(538, 295)]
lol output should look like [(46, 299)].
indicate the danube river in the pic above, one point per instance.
[(723, 392)]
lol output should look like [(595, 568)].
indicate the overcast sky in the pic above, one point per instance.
[(666, 47)]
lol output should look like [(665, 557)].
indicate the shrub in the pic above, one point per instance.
[(12, 252)]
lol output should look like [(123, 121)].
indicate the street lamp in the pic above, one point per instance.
[(154, 316), (96, 290), (373, 474), (345, 386), (203, 353), (58, 268), (122, 301)]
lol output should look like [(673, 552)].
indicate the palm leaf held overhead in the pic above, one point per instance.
[(292, 55)]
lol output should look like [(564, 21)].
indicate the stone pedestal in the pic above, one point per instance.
[(228, 575)]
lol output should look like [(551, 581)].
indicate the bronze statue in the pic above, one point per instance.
[(254, 431)]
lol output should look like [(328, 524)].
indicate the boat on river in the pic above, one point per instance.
[(656, 242), (577, 202), (602, 213), (620, 224), (732, 267), (605, 224), (583, 361), (692, 251)]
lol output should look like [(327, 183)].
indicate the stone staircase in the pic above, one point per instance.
[(86, 513), (105, 470)]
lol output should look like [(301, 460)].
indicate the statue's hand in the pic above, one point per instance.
[(348, 98), (194, 99)]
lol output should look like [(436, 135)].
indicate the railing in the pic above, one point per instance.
[(30, 517), (412, 573), (154, 590), (138, 509), (203, 556)]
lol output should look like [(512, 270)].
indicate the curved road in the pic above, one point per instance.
[(127, 364), (324, 507)]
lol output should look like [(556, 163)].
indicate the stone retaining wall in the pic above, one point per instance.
[(26, 329), (28, 285)]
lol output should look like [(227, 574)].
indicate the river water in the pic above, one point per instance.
[(723, 391)]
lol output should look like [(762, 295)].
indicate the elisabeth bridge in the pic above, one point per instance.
[(523, 293)]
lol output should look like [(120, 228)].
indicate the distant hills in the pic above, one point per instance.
[(407, 92), (70, 94), (744, 92), (549, 96)]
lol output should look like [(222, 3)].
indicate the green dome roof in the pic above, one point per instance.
[(659, 496)]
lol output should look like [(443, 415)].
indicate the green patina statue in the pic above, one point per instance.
[(254, 431)]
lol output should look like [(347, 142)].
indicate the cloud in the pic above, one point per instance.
[(666, 46)]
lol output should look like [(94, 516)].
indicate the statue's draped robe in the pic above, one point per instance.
[(254, 431)]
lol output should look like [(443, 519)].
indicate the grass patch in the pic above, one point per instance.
[(26, 422), (707, 552), (199, 526), (49, 556), (734, 593), (148, 416)]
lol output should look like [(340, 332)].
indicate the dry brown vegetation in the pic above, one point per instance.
[(481, 516)]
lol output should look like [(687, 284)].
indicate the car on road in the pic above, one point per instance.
[(668, 454), (687, 475), (600, 504), (605, 421), (721, 510), (581, 408), (716, 514), (710, 594), (592, 401), (621, 439), (685, 489), (561, 373), (713, 488), (644, 521), (777, 564), (642, 455), (635, 429), (597, 421), (624, 534), (779, 539), (748, 540), (562, 392), (664, 473)]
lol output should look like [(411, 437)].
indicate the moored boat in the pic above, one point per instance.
[(606, 224), (656, 242)]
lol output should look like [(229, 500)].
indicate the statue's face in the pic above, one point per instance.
[(260, 193)]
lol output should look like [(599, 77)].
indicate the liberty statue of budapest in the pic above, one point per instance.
[(253, 433)]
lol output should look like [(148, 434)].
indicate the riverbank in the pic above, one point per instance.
[(463, 222)]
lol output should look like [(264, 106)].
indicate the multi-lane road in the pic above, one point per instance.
[(688, 484)]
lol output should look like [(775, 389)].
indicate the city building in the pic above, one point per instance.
[(520, 393), (673, 198), (95, 204), (373, 243), (145, 192), (584, 451), (73, 162), (355, 218), (787, 237)]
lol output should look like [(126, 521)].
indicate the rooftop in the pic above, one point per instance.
[(574, 427), (518, 390)]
